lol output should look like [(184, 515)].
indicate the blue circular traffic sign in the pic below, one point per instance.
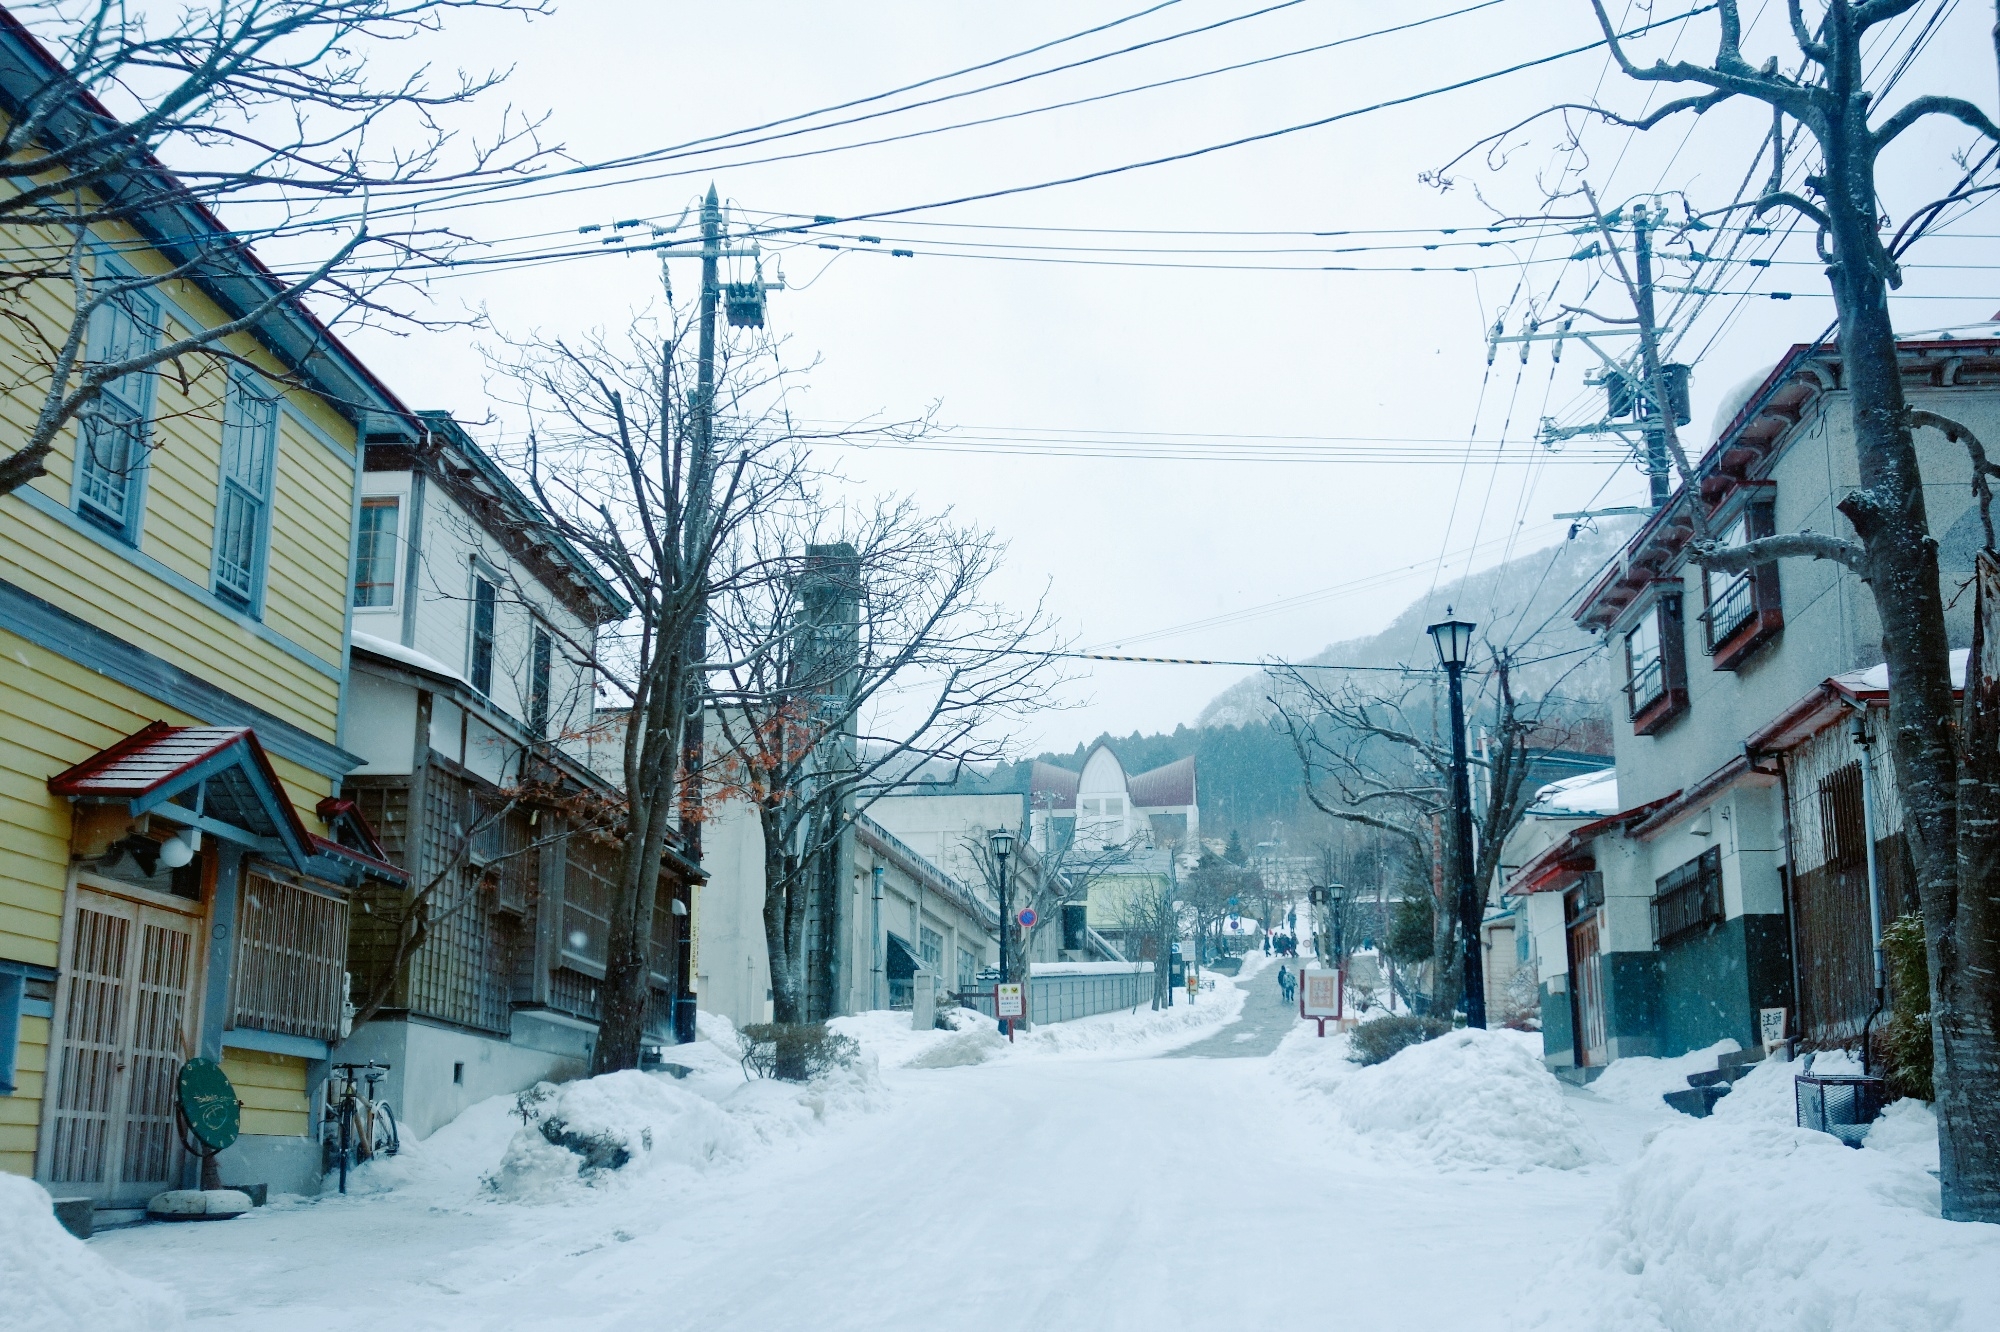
[(1027, 918)]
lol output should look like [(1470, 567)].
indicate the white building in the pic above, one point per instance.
[(474, 630)]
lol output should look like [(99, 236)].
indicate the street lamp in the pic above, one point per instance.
[(1454, 641), (1002, 842), (1336, 893)]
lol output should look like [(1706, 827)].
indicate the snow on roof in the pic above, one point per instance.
[(423, 661), (1586, 793), (1875, 679)]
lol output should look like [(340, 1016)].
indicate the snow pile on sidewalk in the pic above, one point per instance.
[(50, 1281), (1641, 1080), (616, 1127), (1745, 1220), (1726, 1225), (1469, 1100)]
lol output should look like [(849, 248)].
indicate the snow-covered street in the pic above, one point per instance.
[(1076, 1180)]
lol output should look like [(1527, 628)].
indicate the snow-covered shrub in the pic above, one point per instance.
[(50, 1281), (619, 1122), (1385, 1037), (795, 1051)]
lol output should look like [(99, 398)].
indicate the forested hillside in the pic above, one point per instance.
[(1247, 771)]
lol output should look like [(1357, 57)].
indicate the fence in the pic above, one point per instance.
[(1076, 991)]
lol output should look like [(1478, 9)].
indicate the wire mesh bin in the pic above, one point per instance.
[(1843, 1104)]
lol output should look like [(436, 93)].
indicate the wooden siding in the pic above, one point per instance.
[(21, 1113), (273, 1089), (305, 586), (53, 715)]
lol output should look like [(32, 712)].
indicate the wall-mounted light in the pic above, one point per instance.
[(179, 849)]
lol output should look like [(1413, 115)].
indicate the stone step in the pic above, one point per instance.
[(1742, 1058), (1696, 1101)]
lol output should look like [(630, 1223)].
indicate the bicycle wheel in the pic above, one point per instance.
[(384, 1141)]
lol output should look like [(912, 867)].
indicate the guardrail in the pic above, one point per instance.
[(1064, 998)]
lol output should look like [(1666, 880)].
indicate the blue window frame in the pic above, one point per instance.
[(113, 430), (243, 507)]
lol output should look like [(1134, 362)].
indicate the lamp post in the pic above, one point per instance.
[(1336, 894), (1453, 638), (1002, 842)]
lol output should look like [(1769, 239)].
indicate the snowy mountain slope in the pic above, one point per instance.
[(1524, 603)]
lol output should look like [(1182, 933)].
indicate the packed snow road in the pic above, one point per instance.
[(1074, 1180)]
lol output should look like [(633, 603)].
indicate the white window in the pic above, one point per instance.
[(1732, 597), (111, 442), (375, 552), (1645, 671), (243, 509)]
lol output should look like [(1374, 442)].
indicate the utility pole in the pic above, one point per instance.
[(695, 534), (1641, 386), (1653, 401)]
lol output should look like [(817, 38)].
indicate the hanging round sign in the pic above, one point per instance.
[(1027, 918), (208, 1103)]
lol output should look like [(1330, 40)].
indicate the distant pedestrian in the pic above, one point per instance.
[(1284, 985)]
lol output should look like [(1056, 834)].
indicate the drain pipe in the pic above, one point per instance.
[(1791, 888), (875, 979), (1863, 739)]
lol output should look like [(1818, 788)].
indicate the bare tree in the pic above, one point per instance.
[(1044, 879), (1148, 908), (271, 108), (1946, 764), (614, 462), (1383, 762), (870, 652)]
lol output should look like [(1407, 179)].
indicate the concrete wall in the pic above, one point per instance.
[(437, 1072)]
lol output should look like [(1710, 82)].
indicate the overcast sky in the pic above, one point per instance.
[(1133, 551)]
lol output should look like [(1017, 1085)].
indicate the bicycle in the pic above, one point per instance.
[(356, 1127)]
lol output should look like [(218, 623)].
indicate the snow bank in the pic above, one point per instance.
[(607, 1130), (1470, 1100), (1766, 1095), (1726, 1224), (1640, 1080), (50, 1281)]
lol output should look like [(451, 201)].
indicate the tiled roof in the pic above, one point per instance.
[(145, 760)]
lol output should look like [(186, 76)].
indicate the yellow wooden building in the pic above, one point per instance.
[(173, 626)]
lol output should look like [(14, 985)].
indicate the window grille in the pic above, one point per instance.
[(291, 959), (587, 888), (1689, 898), (112, 439), (375, 556), (243, 510)]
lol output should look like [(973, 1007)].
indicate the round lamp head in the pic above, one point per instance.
[(1453, 638), (178, 850)]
